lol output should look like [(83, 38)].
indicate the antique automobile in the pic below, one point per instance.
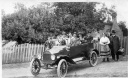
[(62, 56)]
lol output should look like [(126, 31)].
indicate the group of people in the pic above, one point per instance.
[(109, 42), (110, 45), (67, 39)]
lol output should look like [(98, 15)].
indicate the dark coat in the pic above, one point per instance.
[(115, 43)]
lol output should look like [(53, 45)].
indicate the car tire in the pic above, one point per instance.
[(62, 68), (93, 59), (35, 66)]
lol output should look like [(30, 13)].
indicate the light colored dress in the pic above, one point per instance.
[(104, 48)]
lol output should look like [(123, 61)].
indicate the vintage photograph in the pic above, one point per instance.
[(72, 39)]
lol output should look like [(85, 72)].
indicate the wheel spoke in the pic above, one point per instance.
[(63, 68), (35, 66), (93, 58), (61, 71)]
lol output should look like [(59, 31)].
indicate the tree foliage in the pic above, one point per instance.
[(122, 25), (35, 24)]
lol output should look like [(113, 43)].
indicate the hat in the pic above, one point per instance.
[(63, 32), (113, 31), (74, 32)]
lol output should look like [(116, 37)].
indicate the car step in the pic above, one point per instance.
[(78, 59), (49, 67)]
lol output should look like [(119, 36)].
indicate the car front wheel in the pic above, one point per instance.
[(62, 68), (35, 66), (93, 59)]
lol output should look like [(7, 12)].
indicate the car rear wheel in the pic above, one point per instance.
[(35, 66), (93, 59), (62, 68)]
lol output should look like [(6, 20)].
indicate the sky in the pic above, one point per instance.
[(121, 6)]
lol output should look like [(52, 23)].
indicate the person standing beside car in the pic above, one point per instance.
[(115, 46), (108, 34), (104, 50)]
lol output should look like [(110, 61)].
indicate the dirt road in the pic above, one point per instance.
[(83, 69)]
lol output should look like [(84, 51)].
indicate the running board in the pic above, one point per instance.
[(49, 67), (78, 59)]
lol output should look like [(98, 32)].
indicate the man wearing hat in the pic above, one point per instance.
[(115, 46)]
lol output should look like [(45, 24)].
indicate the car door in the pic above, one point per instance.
[(80, 50), (76, 49)]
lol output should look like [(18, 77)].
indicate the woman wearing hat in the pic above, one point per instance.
[(104, 50)]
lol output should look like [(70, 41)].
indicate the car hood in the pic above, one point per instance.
[(56, 49)]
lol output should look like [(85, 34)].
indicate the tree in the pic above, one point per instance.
[(29, 25), (82, 15), (122, 25), (36, 24)]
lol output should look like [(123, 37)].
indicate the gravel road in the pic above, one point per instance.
[(83, 69)]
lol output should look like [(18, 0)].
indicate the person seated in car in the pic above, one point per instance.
[(48, 43), (81, 38), (62, 38), (64, 35), (75, 40), (88, 37), (69, 38)]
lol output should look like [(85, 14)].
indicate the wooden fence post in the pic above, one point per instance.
[(15, 54), (7, 58), (3, 58), (35, 49), (13, 51), (29, 52), (127, 45), (38, 52), (26, 53), (10, 60), (18, 54), (23, 52)]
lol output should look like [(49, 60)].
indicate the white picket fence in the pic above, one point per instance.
[(24, 52), (21, 53)]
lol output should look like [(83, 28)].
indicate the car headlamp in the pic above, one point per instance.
[(39, 56), (53, 57)]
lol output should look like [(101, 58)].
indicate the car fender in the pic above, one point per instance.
[(97, 52), (63, 57), (36, 56)]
